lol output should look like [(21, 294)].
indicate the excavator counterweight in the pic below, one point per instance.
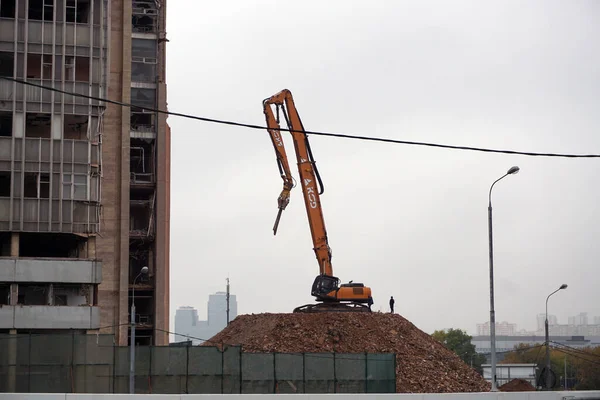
[(329, 293)]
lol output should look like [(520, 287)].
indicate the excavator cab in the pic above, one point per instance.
[(323, 286), (335, 297)]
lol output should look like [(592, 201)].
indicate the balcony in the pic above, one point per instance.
[(50, 270), (49, 317)]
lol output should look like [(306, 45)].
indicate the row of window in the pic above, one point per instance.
[(39, 66), (143, 19), (78, 11), (37, 186)]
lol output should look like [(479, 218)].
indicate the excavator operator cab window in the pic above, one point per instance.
[(324, 284)]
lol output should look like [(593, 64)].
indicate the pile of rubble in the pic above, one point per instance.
[(423, 364), (517, 385)]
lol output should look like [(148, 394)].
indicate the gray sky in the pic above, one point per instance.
[(407, 221)]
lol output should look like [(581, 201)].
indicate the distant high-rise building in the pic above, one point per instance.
[(189, 327), (217, 309), (502, 328), (579, 320), (541, 318)]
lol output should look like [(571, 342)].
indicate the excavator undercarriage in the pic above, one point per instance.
[(334, 306)]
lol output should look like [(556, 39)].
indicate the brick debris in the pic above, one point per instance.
[(423, 365), (517, 385)]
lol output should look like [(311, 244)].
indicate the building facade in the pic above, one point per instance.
[(505, 344), (502, 328), (84, 184), (188, 326)]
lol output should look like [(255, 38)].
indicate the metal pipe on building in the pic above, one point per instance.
[(144, 271)]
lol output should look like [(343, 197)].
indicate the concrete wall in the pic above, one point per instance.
[(453, 396), (49, 317), (50, 270)]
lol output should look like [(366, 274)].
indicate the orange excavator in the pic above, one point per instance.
[(326, 288)]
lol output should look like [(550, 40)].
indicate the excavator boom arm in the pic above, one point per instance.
[(307, 170), (282, 162)]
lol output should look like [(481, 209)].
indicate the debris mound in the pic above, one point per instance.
[(517, 385), (423, 364)]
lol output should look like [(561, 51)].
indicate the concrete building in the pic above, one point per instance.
[(579, 320), (189, 327), (508, 343), (84, 184), (507, 372), (541, 321), (502, 328)]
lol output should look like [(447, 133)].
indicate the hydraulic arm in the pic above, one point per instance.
[(326, 287)]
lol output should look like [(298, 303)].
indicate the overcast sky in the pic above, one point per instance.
[(407, 221)]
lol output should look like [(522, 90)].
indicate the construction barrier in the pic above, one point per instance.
[(73, 363), (576, 395)]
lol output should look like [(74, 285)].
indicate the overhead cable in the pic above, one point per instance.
[(316, 133)]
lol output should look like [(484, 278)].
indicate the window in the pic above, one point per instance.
[(75, 187), (143, 97), (37, 125), (4, 293), (78, 11), (75, 127), (7, 62), (33, 295), (82, 69), (47, 66), (37, 186), (142, 122), (143, 72), (41, 10), (5, 183), (7, 8), (77, 68), (69, 68), (145, 48), (6, 120), (143, 16)]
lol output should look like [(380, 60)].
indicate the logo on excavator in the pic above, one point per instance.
[(312, 199), (277, 137)]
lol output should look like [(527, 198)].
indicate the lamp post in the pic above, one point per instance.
[(143, 271), (563, 286), (511, 171)]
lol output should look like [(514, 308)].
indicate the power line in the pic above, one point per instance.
[(576, 350), (316, 133), (576, 355)]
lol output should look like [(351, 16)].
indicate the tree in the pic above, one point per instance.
[(583, 365), (459, 342)]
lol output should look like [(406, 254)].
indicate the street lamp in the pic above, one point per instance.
[(511, 171), (143, 271), (563, 286)]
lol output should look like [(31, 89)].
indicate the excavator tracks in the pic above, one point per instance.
[(332, 307)]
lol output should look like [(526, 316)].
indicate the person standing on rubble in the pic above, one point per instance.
[(392, 304), (370, 302)]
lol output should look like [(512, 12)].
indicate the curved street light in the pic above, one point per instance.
[(563, 286), (511, 171)]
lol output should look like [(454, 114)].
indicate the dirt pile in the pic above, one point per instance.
[(517, 385), (423, 364)]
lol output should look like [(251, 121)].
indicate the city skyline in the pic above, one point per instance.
[(576, 325), (190, 326)]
